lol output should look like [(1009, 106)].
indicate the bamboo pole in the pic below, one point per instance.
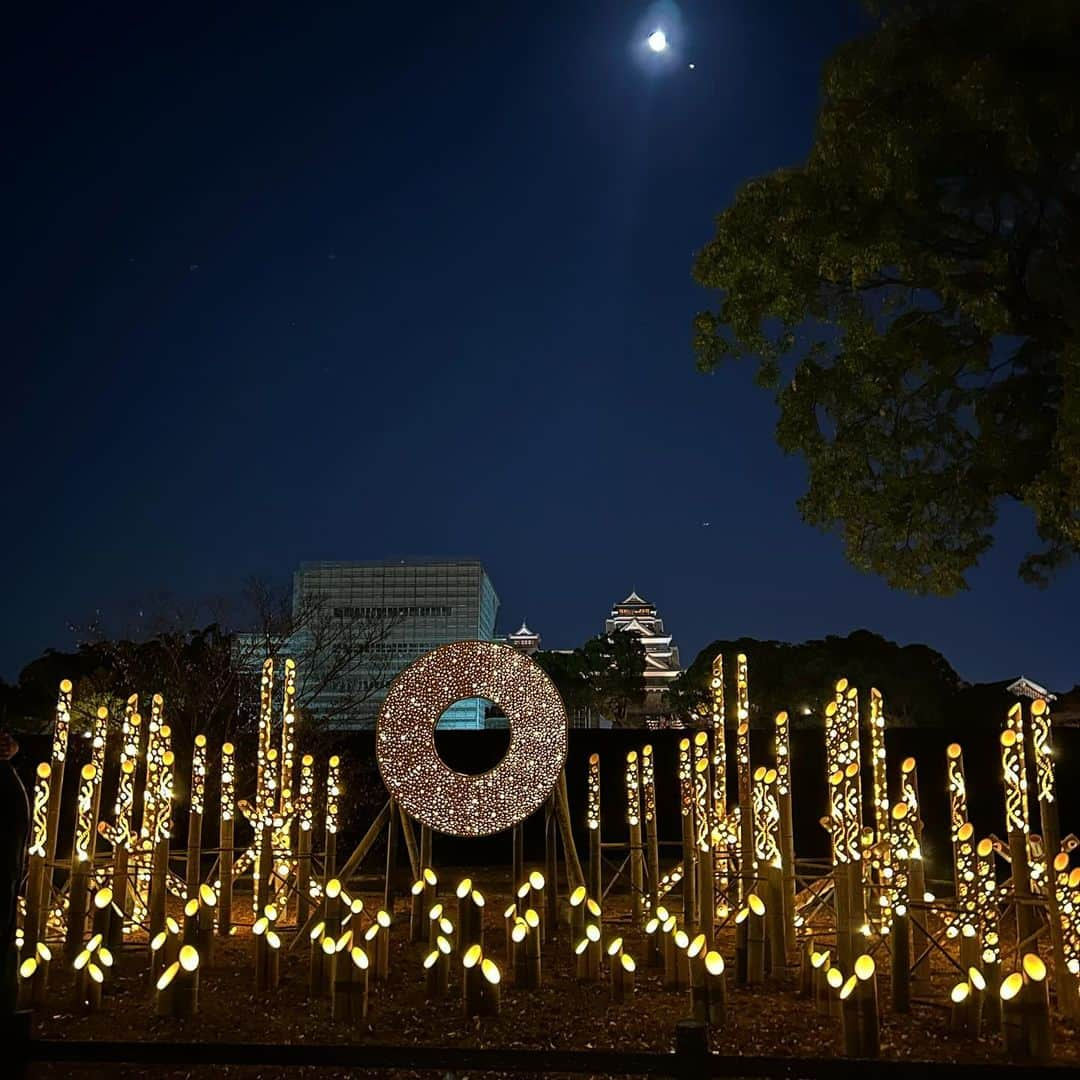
[(225, 839), (305, 806), (592, 820), (903, 846), (703, 814), (689, 833), (574, 875), (633, 818), (35, 955), (787, 829), (1068, 992), (990, 958), (747, 867), (909, 787), (195, 816), (78, 895), (1016, 816), (333, 792), (61, 733), (551, 869)]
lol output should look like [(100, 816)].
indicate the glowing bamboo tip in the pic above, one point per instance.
[(592, 932), (65, 686), (228, 749), (472, 956), (834, 977), (317, 931), (759, 774), (1011, 986), (207, 895), (864, 967), (818, 959), (581, 946), (742, 915), (627, 962), (442, 945), (848, 987), (168, 975), (103, 898), (1033, 966), (490, 971), (435, 912), (697, 947), (756, 904), (200, 741), (520, 930), (652, 925), (682, 939), (577, 897), (975, 978), (383, 918), (333, 888), (430, 877), (191, 908), (189, 957), (417, 887), (28, 967), (464, 888), (532, 919), (431, 959), (714, 963), (966, 832), (262, 924), (334, 762), (593, 908), (614, 946), (158, 941), (841, 685), (329, 946), (536, 879)]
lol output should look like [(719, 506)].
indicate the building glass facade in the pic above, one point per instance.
[(397, 611)]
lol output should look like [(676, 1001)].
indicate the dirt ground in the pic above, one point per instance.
[(562, 1014)]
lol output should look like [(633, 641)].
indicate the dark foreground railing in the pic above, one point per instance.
[(687, 1060)]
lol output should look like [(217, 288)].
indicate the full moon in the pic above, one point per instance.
[(657, 41)]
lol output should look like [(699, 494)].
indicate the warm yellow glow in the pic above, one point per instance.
[(975, 978), (627, 962), (472, 956), (847, 988), (756, 904), (457, 803), (577, 897), (360, 958), (835, 978), (1033, 966), (960, 993), (490, 971), (614, 946), (168, 975), (864, 967), (1011, 986), (189, 957), (592, 932), (714, 963), (536, 880)]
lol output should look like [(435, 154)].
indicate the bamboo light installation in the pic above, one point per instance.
[(1066, 886), (782, 748), (695, 955), (96, 958), (916, 874), (652, 838), (593, 821), (98, 739), (633, 818), (78, 891), (717, 725), (1017, 823), (905, 850), (588, 947), (61, 732), (122, 833), (967, 902), (437, 969), (1068, 992), (305, 806), (689, 846), (703, 811), (333, 792), (195, 816), (35, 955), (1026, 1012), (990, 958), (225, 838), (747, 869), (715, 989)]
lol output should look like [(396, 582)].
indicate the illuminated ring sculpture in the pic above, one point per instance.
[(428, 789)]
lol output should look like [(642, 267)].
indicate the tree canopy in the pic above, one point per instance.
[(912, 292), (606, 675)]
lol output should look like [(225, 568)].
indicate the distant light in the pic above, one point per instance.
[(691, 66), (657, 41)]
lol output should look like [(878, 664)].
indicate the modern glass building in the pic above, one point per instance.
[(357, 624)]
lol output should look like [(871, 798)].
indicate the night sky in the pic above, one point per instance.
[(365, 281)]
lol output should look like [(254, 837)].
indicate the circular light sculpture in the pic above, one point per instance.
[(456, 803)]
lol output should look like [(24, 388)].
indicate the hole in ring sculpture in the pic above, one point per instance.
[(426, 788)]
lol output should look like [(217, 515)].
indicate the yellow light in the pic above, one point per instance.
[(756, 904), (835, 978), (848, 987), (960, 993), (614, 946), (592, 932), (714, 963), (360, 958), (168, 975), (472, 956), (28, 967), (577, 897), (1033, 966), (975, 978), (627, 962), (1011, 986), (864, 967), (490, 971)]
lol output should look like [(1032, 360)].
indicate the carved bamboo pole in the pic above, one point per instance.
[(633, 818), (703, 810), (592, 820), (719, 776), (689, 838), (747, 867), (35, 955)]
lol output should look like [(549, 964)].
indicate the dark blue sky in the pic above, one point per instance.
[(300, 282)]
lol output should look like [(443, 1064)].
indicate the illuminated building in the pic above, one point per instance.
[(637, 616)]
